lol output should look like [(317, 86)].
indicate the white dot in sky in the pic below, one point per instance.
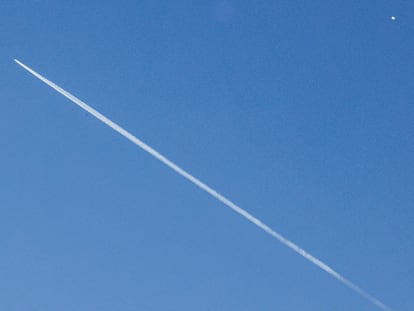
[(393, 18)]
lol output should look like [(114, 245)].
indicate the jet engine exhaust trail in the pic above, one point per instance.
[(208, 189)]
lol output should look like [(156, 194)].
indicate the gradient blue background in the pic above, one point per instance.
[(300, 111)]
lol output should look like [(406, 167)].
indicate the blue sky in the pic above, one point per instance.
[(302, 113)]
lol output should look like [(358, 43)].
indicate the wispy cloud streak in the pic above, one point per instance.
[(208, 189)]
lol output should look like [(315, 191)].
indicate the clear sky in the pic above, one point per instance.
[(299, 111)]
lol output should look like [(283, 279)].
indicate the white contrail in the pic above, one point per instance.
[(208, 189)]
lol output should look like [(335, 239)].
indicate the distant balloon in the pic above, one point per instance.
[(393, 18)]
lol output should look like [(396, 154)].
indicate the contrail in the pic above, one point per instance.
[(209, 190)]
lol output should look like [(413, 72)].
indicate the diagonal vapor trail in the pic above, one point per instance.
[(209, 190)]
